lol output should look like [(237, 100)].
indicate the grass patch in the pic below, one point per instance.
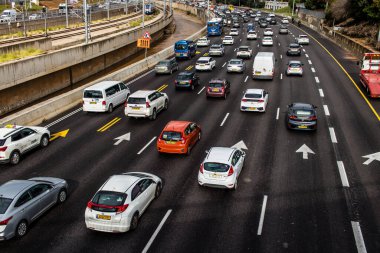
[(20, 54)]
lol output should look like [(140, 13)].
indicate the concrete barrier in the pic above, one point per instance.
[(43, 44)]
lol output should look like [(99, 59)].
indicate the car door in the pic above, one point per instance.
[(118, 95), (30, 138), (125, 92), (160, 99), (148, 189), (27, 207), (154, 101), (137, 200), (45, 196), (238, 162)]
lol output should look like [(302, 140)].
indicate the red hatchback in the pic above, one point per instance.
[(218, 88)]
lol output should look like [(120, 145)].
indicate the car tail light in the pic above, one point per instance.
[(244, 100), (222, 89), (122, 208), (104, 103), (125, 104), (191, 81), (260, 100), (313, 118), (2, 149), (5, 222), (292, 117), (147, 105), (201, 168), (231, 171), (90, 204)]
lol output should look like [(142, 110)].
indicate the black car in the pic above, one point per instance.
[(294, 49), (245, 19), (283, 30), (301, 116), (263, 24), (273, 22), (186, 79)]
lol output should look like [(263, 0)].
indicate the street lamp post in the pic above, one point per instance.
[(293, 8), (67, 14), (143, 16), (108, 10)]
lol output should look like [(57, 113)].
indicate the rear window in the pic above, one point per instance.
[(215, 85), (4, 204), (171, 136), (93, 94), (294, 46), (235, 62), (184, 77), (132, 100), (243, 49), (103, 200), (303, 112), (202, 61), (294, 65), (252, 95), (216, 167), (303, 36)]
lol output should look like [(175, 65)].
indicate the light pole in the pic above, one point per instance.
[(85, 21), (143, 17), (44, 10), (293, 8), (208, 9), (126, 7), (67, 14), (108, 10)]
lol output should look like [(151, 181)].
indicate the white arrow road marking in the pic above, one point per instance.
[(305, 150), (240, 145), (371, 158), (124, 137)]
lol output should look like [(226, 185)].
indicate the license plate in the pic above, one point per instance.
[(215, 176), (252, 108), (182, 82), (302, 127), (257, 72), (215, 90), (171, 142), (103, 217), (135, 108), (93, 103)]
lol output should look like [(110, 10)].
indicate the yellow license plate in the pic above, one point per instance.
[(171, 142), (135, 108), (93, 103), (257, 73), (252, 108), (215, 176), (103, 217), (303, 127), (216, 90)]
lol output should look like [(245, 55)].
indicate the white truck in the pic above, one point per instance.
[(8, 16)]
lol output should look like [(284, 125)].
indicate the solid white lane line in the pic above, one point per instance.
[(224, 64), (64, 117), (280, 56), (321, 93), (278, 113), (260, 228), (310, 62), (332, 135), (303, 50), (281, 76), (313, 70), (360, 245), (246, 79), (307, 56), (137, 78), (240, 39), (343, 175), (225, 118), (142, 150), (279, 44), (147, 246), (326, 108), (201, 90), (317, 79)]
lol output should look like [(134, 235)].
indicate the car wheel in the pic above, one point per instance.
[(21, 229), (62, 196), (44, 140), (166, 105), (134, 221), (154, 114), (15, 157), (158, 191), (110, 108)]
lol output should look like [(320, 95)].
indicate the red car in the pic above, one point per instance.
[(218, 88)]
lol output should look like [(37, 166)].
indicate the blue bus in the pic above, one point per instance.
[(184, 49), (215, 27), (149, 9)]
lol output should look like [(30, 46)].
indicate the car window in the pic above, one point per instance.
[(235, 159), (116, 87), (132, 100), (187, 130), (38, 189), (17, 136), (216, 167), (92, 94), (23, 199), (2, 141), (110, 91), (109, 198), (135, 192), (171, 136), (27, 131), (144, 184), (122, 86), (152, 97)]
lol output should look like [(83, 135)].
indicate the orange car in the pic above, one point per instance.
[(178, 137)]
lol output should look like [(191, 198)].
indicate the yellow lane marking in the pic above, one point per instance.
[(59, 134), (163, 87), (348, 75), (205, 54), (189, 67), (109, 124), (197, 52)]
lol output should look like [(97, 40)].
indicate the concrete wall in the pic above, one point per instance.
[(44, 44)]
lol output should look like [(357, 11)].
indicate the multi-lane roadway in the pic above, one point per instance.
[(285, 202)]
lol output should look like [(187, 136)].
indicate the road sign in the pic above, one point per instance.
[(305, 150), (124, 137), (147, 35), (371, 158), (143, 43)]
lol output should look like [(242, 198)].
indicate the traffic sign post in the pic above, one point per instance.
[(144, 42)]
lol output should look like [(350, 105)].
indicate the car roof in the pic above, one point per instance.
[(142, 93), (265, 54), (12, 188), (176, 125), (219, 154), (204, 58), (7, 129), (292, 62), (254, 91), (119, 183), (102, 85), (300, 105)]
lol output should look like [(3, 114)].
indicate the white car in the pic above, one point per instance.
[(203, 42), (267, 41), (221, 168), (228, 40), (205, 63), (257, 18), (17, 140), (121, 201), (268, 32), (285, 21), (244, 52), (303, 39), (251, 35), (254, 100), (35, 16), (216, 49), (146, 104), (234, 32)]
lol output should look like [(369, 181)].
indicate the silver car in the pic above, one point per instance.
[(236, 65), (216, 49), (23, 201)]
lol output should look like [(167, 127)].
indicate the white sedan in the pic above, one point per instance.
[(267, 41), (203, 42), (251, 35), (205, 63), (221, 168), (285, 21), (268, 32), (228, 40), (121, 201), (234, 32), (303, 39), (254, 100)]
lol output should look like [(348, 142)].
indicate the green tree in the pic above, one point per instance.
[(373, 10)]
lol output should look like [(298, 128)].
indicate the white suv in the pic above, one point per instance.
[(221, 168), (17, 140), (205, 63), (303, 39), (146, 104), (121, 201)]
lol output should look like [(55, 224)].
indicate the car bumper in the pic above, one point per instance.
[(227, 42), (215, 94), (239, 70), (215, 53), (262, 76), (267, 44), (224, 184), (294, 73), (243, 56), (299, 125), (109, 228), (171, 149), (142, 114), (251, 38), (283, 32), (252, 109), (94, 109)]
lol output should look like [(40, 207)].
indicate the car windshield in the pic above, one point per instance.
[(132, 100), (243, 49), (215, 85), (235, 62), (303, 37), (303, 112), (171, 136), (93, 94), (184, 77), (181, 46), (4, 204), (294, 46), (252, 95), (215, 47), (228, 38), (202, 61), (267, 38), (109, 198), (294, 65), (163, 63), (216, 167)]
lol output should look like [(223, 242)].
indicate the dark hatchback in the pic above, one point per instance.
[(263, 24), (218, 88), (273, 21), (301, 116), (186, 80), (294, 49)]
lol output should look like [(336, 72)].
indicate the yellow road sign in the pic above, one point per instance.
[(143, 43)]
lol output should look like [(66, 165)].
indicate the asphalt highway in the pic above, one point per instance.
[(284, 203)]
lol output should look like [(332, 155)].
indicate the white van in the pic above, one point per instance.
[(104, 96), (263, 66), (8, 15)]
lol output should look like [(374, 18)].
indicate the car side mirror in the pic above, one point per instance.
[(207, 151), (315, 107)]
